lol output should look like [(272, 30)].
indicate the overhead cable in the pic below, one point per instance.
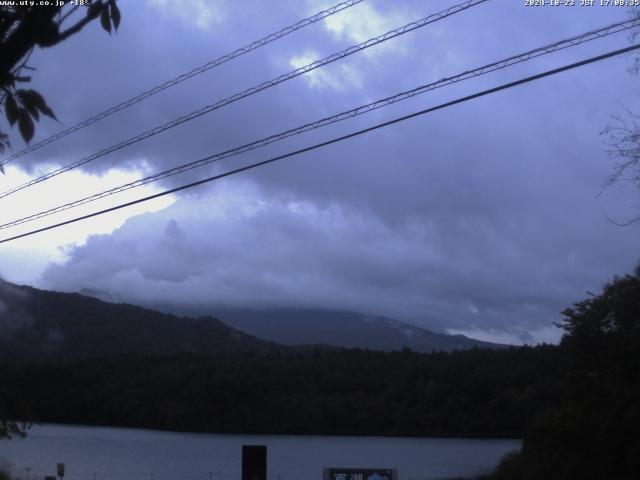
[(263, 86), (330, 142), (185, 76), (483, 70)]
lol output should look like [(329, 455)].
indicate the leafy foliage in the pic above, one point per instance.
[(593, 432), (24, 27)]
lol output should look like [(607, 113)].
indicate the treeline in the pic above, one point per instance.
[(480, 393), (592, 430)]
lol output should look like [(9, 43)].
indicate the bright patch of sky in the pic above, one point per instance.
[(203, 14), (549, 335), (24, 260), (363, 22), (339, 77)]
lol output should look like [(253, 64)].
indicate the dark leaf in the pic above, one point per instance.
[(4, 144), (33, 111), (105, 21), (30, 97), (115, 13), (11, 109), (27, 102), (48, 112), (94, 10), (25, 124), (24, 97), (34, 98)]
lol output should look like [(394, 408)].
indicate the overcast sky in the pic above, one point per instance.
[(483, 218)]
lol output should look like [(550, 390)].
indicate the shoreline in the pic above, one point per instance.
[(275, 435)]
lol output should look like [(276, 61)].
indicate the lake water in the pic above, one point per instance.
[(128, 454)]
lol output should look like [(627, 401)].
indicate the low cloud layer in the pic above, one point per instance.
[(240, 249)]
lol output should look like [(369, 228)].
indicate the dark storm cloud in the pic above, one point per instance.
[(483, 216)]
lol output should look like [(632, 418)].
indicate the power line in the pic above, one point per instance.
[(333, 140), (186, 76), (485, 69), (263, 86)]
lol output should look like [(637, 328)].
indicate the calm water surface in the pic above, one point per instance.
[(127, 454)]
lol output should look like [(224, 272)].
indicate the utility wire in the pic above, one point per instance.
[(485, 69), (186, 76), (333, 140), (263, 86)]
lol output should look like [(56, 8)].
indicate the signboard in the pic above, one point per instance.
[(360, 474), (60, 469)]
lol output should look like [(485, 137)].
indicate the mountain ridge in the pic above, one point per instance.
[(37, 324), (293, 326), (343, 329)]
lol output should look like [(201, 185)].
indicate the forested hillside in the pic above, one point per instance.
[(42, 324)]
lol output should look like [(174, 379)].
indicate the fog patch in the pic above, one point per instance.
[(13, 318)]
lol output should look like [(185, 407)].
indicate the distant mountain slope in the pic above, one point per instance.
[(342, 329), (36, 323)]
